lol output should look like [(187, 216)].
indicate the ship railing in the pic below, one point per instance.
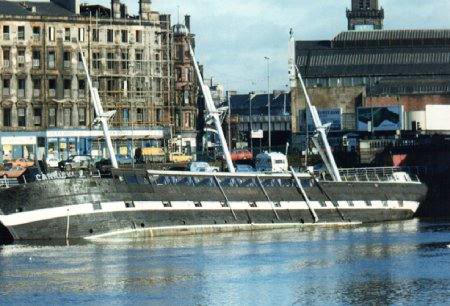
[(211, 179), (380, 174), (6, 182)]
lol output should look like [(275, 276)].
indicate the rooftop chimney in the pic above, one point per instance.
[(71, 5), (145, 9), (115, 9)]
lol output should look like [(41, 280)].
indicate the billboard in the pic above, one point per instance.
[(437, 117), (386, 118), (328, 115)]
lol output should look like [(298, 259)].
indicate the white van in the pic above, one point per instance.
[(271, 162)]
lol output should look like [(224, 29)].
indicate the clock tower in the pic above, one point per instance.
[(365, 15)]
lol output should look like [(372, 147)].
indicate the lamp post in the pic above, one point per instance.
[(251, 95), (268, 102)]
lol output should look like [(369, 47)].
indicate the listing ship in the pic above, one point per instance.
[(152, 203)]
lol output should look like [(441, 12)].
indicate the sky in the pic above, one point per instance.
[(234, 36)]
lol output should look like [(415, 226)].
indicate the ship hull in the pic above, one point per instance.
[(92, 208)]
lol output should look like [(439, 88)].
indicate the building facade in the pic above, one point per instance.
[(44, 92), (395, 75)]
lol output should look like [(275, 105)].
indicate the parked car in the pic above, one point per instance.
[(179, 157), (202, 167), (244, 168), (52, 162), (271, 162), (240, 155), (77, 162), (23, 162), (124, 160)]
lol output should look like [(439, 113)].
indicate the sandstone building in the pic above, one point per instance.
[(139, 63)]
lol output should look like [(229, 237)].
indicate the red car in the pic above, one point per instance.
[(240, 155)]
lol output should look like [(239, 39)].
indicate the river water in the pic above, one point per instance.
[(405, 263)]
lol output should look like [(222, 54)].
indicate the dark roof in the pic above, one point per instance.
[(23, 8), (240, 104), (377, 53), (394, 35)]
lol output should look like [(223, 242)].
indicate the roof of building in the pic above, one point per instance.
[(24, 8), (417, 36), (377, 53), (240, 104)]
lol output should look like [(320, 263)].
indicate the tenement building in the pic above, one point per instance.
[(378, 81), (45, 107)]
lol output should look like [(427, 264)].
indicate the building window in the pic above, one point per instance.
[(81, 34), (110, 36), (67, 87), (51, 33), (138, 36), (110, 60), (187, 120), (81, 88), (36, 87), (37, 114), (124, 60), (139, 115), (21, 88), (67, 34), (37, 33), (124, 35), (6, 58), (21, 117), (159, 115), (52, 87), (7, 117), (80, 61), (126, 115), (21, 33), (52, 117), (95, 35), (138, 58), (6, 87), (21, 58), (36, 59), (51, 59), (66, 58), (96, 60), (5, 32), (67, 116), (82, 116)]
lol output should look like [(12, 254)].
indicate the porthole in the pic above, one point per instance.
[(142, 225), (91, 231)]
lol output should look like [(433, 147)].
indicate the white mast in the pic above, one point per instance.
[(321, 137), (102, 117), (213, 113)]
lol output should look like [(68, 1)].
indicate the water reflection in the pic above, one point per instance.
[(395, 263)]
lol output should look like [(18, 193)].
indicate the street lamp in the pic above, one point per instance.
[(251, 95), (268, 102)]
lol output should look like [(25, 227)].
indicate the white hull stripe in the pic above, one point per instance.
[(108, 207)]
